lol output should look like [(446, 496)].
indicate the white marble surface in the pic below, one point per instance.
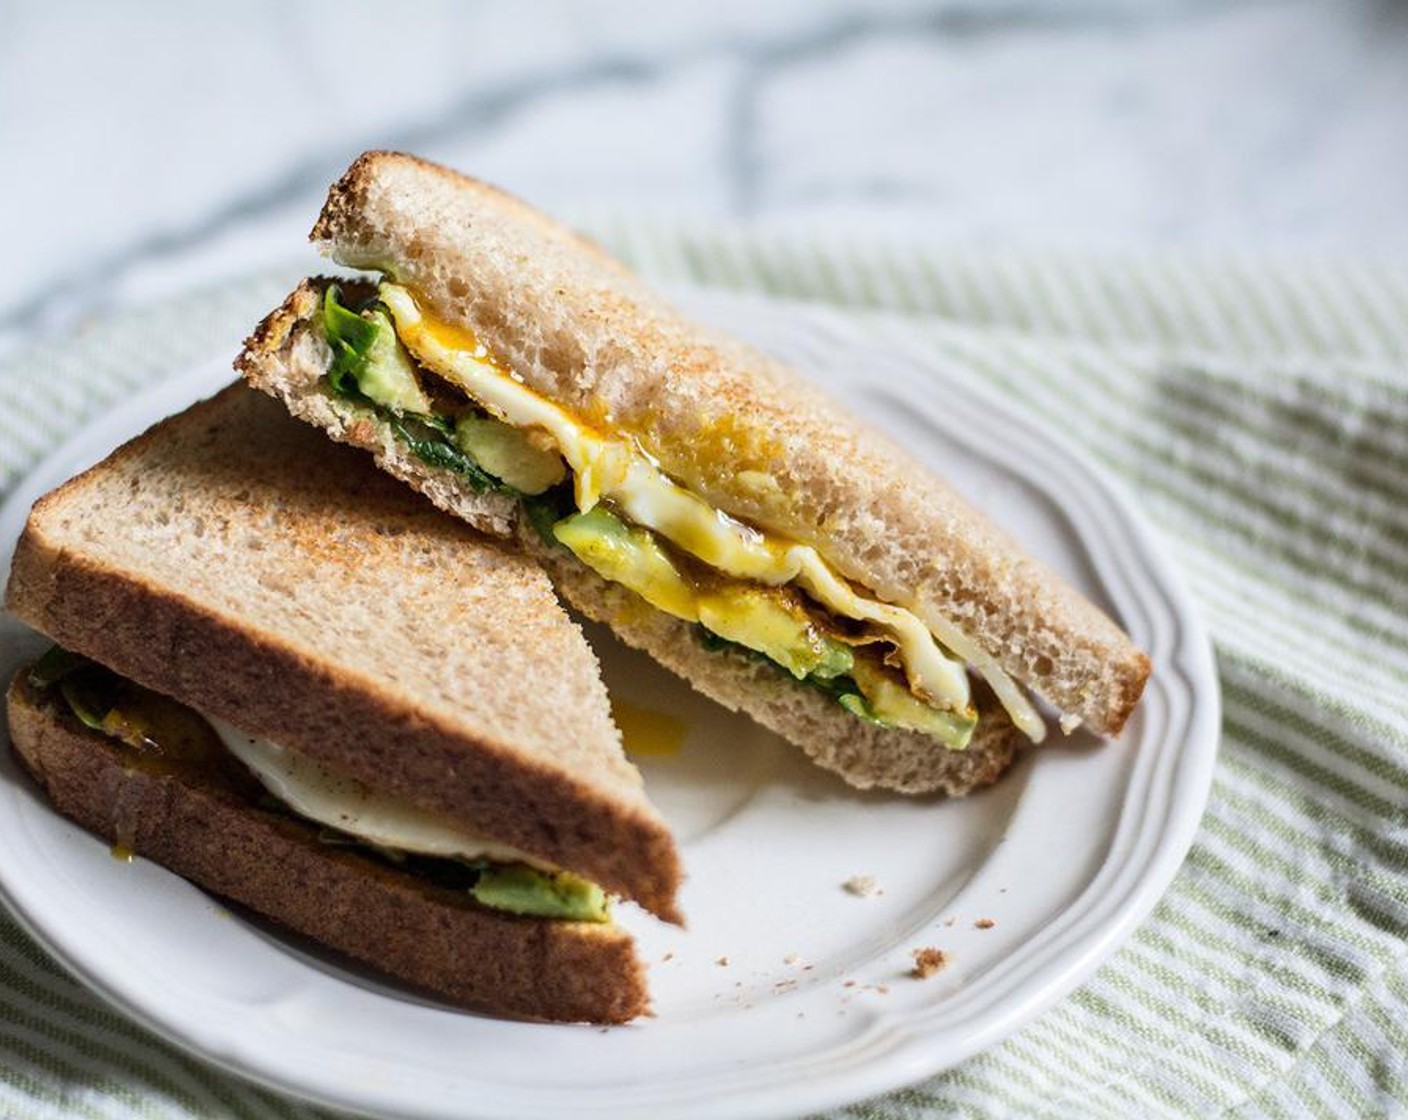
[(147, 147)]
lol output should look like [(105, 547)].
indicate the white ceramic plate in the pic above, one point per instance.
[(787, 993)]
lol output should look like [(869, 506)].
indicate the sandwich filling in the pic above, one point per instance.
[(163, 736), (601, 496)]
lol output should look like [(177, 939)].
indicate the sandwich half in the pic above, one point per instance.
[(285, 677), (708, 503)]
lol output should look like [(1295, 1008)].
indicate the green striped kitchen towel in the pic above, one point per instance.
[(1259, 412)]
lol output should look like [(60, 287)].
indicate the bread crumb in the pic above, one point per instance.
[(667, 957), (791, 958), (849, 984), (1069, 723), (722, 962), (984, 923), (927, 961), (862, 886)]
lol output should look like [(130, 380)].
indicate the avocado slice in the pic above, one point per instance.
[(507, 454), (765, 620), (367, 353), (890, 704), (520, 889), (629, 556), (369, 365)]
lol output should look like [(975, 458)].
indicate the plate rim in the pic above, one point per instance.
[(910, 1052)]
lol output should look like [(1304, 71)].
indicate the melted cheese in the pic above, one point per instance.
[(604, 466), (313, 791)]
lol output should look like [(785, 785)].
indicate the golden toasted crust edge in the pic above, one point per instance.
[(363, 728), (405, 928), (346, 199)]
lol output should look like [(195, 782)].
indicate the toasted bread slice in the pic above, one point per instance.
[(736, 427), (203, 826), (235, 560)]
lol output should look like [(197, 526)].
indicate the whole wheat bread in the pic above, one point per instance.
[(429, 937), (740, 429), (237, 561)]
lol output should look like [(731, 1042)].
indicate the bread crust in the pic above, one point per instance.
[(423, 935), (735, 426), (275, 657)]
